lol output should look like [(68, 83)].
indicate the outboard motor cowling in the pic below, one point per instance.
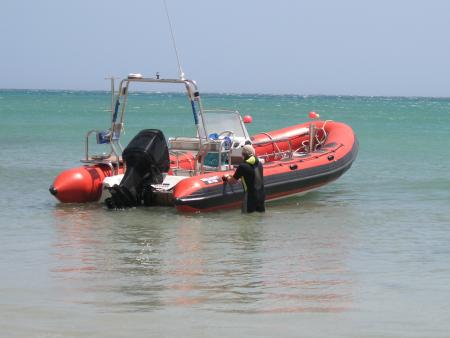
[(146, 158)]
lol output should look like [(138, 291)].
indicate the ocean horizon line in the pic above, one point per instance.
[(51, 90)]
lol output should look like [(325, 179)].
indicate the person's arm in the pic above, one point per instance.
[(234, 178), (230, 179)]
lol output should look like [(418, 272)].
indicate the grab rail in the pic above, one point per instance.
[(103, 158)]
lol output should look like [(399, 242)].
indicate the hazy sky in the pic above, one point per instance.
[(348, 47)]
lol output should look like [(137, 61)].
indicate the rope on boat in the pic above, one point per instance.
[(318, 142)]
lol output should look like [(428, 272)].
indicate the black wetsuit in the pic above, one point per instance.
[(251, 174)]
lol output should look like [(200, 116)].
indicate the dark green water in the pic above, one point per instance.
[(366, 256)]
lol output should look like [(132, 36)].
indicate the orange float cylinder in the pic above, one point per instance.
[(80, 185)]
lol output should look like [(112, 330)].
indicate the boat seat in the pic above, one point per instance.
[(102, 159), (184, 143)]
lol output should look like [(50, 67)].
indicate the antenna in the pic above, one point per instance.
[(181, 73)]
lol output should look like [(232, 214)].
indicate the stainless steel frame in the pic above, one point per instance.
[(201, 143)]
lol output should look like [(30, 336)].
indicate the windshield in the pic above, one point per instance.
[(217, 121)]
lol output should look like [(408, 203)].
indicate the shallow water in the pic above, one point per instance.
[(366, 256)]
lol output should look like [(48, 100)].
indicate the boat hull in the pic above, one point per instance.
[(280, 183), (282, 178)]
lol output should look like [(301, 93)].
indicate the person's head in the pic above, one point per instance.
[(248, 151)]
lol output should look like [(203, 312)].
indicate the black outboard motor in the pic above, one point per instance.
[(146, 158)]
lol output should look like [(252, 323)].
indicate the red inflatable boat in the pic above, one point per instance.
[(186, 172)]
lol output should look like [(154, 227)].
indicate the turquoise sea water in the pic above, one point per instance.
[(366, 256)]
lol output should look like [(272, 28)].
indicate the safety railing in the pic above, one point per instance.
[(111, 159)]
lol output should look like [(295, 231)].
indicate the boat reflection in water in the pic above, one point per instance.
[(237, 264)]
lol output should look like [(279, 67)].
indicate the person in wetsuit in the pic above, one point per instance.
[(250, 172)]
